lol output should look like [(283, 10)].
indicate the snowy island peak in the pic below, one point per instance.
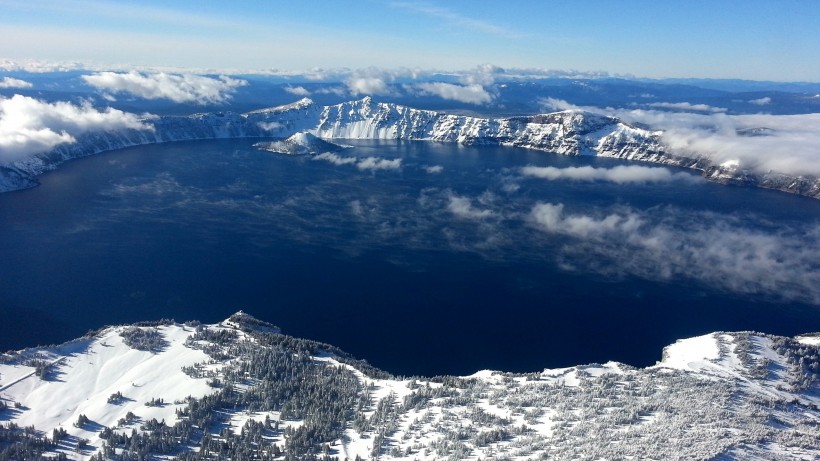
[(160, 389), (299, 143), (570, 132)]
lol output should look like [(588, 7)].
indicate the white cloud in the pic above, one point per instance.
[(535, 74), (463, 208), (297, 90), (473, 87), (761, 101), (373, 81), (368, 163), (271, 126), (484, 75), (551, 218), (335, 159), (181, 88), (325, 75), (621, 174), (356, 208), (434, 169), (9, 82), (685, 106), (553, 104), (375, 163), (39, 66), (790, 146), (672, 244), (29, 126), (373, 86), (337, 90), (471, 94)]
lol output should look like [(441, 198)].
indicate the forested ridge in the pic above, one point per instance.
[(274, 396)]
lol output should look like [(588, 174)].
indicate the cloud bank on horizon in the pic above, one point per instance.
[(471, 94), (419, 34), (475, 86)]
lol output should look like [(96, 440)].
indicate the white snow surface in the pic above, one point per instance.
[(691, 353), (88, 371), (689, 403), (299, 143), (810, 340)]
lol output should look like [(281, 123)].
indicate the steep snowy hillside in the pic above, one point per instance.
[(241, 390), (568, 133)]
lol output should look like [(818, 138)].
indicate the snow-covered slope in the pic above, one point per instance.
[(241, 390), (568, 133), (84, 374), (300, 143)]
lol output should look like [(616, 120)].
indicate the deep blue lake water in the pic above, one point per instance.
[(451, 261)]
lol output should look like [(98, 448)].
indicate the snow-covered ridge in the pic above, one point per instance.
[(567, 133), (240, 386)]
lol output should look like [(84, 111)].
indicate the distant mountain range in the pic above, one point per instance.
[(571, 132), (241, 390)]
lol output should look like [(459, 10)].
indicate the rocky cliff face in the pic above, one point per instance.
[(565, 133)]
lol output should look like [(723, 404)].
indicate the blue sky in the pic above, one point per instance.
[(761, 40)]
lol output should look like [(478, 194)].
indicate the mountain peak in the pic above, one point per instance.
[(303, 103), (299, 143)]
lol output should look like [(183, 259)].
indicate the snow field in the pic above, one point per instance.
[(90, 371), (741, 395)]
